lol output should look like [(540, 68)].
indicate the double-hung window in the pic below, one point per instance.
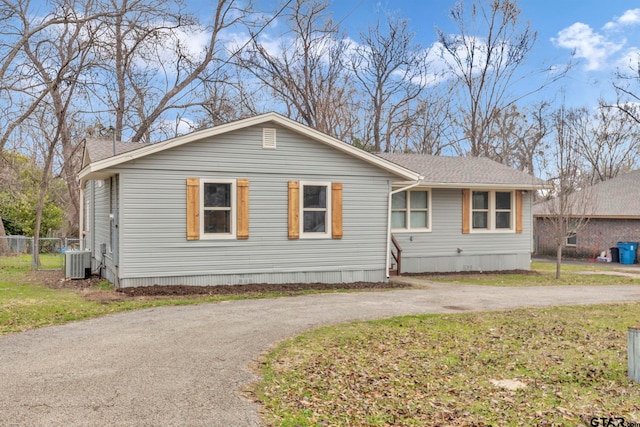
[(218, 208), (410, 210), (492, 210), (315, 207)]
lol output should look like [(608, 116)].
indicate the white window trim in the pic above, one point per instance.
[(218, 236), (327, 226), (571, 245), (491, 220), (408, 229)]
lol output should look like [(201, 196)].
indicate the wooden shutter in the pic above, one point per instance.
[(193, 209), (242, 209), (336, 210), (519, 214), (294, 210), (466, 210)]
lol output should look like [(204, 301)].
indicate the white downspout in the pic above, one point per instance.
[(391, 193)]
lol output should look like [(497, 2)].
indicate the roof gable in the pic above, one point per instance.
[(95, 166)]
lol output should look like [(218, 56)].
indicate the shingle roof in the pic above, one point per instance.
[(467, 171), (102, 148), (616, 197)]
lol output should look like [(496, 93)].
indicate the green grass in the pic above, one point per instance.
[(437, 370), (544, 275)]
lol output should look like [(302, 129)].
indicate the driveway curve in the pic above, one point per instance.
[(188, 365)]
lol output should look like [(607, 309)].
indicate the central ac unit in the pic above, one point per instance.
[(77, 264)]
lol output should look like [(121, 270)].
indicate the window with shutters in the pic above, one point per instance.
[(315, 210), (217, 209), (410, 211), (492, 210), (217, 198)]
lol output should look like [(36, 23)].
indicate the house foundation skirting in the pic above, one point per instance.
[(273, 278), (462, 262)]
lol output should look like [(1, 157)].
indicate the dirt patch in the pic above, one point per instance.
[(285, 288), (89, 289), (55, 279)]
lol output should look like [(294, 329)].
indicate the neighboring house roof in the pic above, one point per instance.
[(464, 172), (614, 198), (92, 169), (96, 149)]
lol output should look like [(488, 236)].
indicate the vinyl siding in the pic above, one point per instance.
[(153, 245), (437, 251), (89, 221), (98, 226)]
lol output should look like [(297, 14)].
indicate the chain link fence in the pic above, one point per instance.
[(46, 254)]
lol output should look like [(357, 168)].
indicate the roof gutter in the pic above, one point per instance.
[(391, 193)]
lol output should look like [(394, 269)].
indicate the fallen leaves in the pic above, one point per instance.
[(565, 365)]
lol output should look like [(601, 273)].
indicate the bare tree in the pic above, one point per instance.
[(150, 66), (46, 57), (626, 85), (22, 28), (569, 203), (306, 71), (519, 137), (608, 140), (486, 57), (391, 70), (430, 128), (60, 58)]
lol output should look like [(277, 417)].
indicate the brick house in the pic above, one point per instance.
[(614, 216)]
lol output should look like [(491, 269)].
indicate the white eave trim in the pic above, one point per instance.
[(478, 185), (244, 123)]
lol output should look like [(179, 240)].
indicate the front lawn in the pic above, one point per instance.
[(439, 370)]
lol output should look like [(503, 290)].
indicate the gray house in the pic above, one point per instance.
[(479, 217), (268, 200)]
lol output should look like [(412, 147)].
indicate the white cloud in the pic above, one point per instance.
[(630, 17), (629, 60), (587, 44)]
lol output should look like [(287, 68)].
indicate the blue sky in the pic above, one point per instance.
[(603, 34)]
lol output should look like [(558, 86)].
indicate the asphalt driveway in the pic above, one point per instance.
[(187, 366)]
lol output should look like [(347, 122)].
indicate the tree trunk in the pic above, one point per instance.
[(558, 260), (44, 185), (4, 243)]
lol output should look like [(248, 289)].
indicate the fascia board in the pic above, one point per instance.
[(479, 186)]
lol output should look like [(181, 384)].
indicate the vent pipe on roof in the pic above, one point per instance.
[(113, 133)]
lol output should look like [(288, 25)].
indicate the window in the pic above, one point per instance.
[(480, 210), (572, 239), (492, 210), (410, 210), (315, 205), (217, 208), (315, 210), (503, 209)]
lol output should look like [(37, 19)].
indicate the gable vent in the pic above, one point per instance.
[(269, 138)]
